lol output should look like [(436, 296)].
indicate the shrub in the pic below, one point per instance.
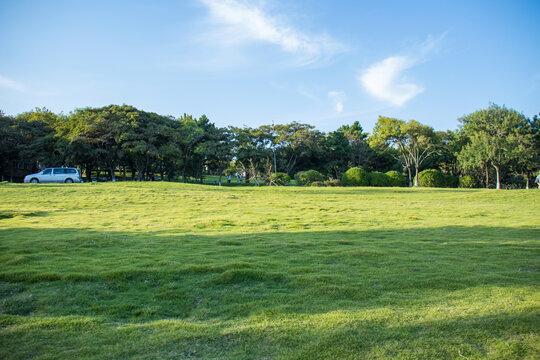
[(431, 178), (355, 177), (451, 181), (379, 179), (317, 183), (396, 178), (307, 177), (281, 178), (467, 182), (333, 182)]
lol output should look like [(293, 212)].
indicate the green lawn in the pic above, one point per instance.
[(172, 271)]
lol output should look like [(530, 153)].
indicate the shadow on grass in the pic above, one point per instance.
[(503, 335), (151, 276)]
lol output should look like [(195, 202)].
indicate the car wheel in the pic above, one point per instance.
[(69, 181), (34, 181)]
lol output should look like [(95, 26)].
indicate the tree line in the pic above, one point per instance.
[(492, 146)]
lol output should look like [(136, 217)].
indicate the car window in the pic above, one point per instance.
[(70, 171), (46, 172), (58, 171)]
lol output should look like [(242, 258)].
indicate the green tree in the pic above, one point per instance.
[(191, 134), (414, 143), (10, 137), (336, 152), (361, 155), (295, 144), (497, 136), (217, 149)]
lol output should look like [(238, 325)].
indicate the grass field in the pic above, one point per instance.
[(169, 271)]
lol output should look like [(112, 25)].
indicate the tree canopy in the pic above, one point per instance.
[(121, 140)]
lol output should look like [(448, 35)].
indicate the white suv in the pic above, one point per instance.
[(55, 175)]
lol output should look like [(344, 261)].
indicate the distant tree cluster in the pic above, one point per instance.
[(493, 146)]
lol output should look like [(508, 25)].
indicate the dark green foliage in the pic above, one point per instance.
[(499, 137), (451, 181), (355, 177), (431, 178), (122, 142), (396, 178), (337, 149), (305, 178), (380, 179)]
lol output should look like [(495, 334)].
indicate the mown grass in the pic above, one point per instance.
[(168, 270)]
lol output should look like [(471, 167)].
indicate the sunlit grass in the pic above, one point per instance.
[(167, 270)]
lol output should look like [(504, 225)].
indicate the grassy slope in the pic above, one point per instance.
[(161, 270)]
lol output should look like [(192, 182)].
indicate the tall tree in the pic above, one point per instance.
[(295, 144), (10, 137), (191, 135), (361, 155), (414, 142), (337, 150), (500, 135)]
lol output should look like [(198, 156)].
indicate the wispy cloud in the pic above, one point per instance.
[(10, 84), (243, 22), (384, 80), (337, 98)]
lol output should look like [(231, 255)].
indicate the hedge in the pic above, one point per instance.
[(355, 177), (379, 179), (396, 178), (431, 178), (307, 177)]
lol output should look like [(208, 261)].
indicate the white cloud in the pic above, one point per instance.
[(243, 22), (10, 84), (337, 98), (384, 80)]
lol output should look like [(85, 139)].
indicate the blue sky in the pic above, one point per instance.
[(241, 62)]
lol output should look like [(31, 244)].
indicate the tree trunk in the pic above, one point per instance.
[(527, 182), (124, 173), (487, 177), (113, 175), (220, 175), (201, 172), (198, 173), (498, 177), (410, 177), (170, 172), (416, 177), (184, 173)]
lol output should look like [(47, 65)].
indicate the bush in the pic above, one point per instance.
[(317, 183), (307, 177), (431, 178), (355, 177), (451, 181), (467, 182), (396, 178), (333, 182), (281, 178), (378, 179)]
